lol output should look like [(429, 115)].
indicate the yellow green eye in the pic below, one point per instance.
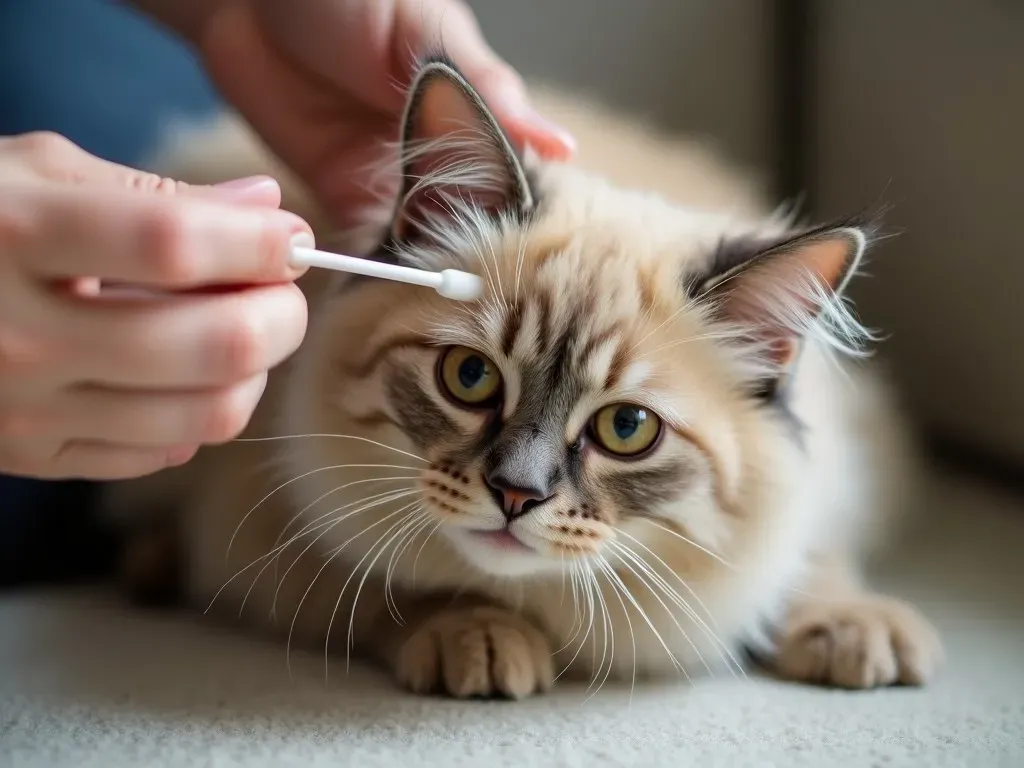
[(626, 429), (468, 376)]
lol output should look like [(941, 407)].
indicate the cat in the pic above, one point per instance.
[(653, 445)]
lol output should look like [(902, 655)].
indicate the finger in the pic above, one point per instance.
[(451, 25), (173, 243), (202, 340), (91, 460), (58, 159), (139, 418)]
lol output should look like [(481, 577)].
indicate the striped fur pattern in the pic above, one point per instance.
[(361, 511)]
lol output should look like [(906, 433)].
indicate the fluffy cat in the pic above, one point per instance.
[(651, 446)]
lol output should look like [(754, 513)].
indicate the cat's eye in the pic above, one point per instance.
[(625, 429), (469, 377)]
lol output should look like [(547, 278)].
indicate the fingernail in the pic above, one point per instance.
[(548, 128), (300, 240), (249, 184)]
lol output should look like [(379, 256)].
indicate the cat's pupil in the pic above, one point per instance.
[(627, 421), (472, 371)]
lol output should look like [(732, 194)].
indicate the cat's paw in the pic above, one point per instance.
[(480, 651), (865, 642)]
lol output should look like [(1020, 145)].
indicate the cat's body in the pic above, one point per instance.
[(546, 525)]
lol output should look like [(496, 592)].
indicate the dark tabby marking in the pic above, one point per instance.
[(636, 492), (423, 421)]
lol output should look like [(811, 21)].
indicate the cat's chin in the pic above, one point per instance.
[(500, 553)]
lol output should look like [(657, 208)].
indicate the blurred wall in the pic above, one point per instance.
[(921, 103), (700, 65)]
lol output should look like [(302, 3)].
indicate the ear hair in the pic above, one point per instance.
[(778, 293), (454, 155)]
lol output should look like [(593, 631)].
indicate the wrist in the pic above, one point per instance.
[(186, 18)]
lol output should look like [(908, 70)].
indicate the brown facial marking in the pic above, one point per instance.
[(422, 419), (636, 492), (513, 321), (374, 419), (544, 333), (365, 368), (617, 367)]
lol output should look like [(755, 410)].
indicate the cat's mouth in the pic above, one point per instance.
[(502, 539)]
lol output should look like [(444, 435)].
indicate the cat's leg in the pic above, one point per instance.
[(837, 632), (464, 646)]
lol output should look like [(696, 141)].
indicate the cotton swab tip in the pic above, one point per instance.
[(450, 283), (460, 286)]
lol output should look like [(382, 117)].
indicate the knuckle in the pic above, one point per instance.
[(19, 228), (45, 145), (228, 417), (20, 355), (151, 183), (164, 240), (19, 424), (242, 347)]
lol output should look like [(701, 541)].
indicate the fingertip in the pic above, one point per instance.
[(546, 138), (261, 191)]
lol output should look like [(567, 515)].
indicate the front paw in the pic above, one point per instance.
[(480, 651), (864, 642)]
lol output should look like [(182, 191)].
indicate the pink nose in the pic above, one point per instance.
[(514, 502)]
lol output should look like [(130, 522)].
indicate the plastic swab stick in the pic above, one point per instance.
[(450, 283)]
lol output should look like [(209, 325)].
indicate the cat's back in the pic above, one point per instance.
[(634, 153)]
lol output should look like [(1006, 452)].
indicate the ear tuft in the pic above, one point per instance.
[(779, 293), (454, 154)]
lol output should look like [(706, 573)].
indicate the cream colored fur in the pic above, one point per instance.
[(760, 549)]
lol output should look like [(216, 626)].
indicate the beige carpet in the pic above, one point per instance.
[(85, 683)]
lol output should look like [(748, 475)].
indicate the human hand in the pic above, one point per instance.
[(101, 387), (321, 81)]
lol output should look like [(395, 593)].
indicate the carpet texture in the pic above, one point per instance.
[(84, 682)]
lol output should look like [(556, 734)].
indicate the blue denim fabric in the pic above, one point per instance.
[(107, 79)]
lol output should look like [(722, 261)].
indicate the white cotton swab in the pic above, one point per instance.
[(450, 283)]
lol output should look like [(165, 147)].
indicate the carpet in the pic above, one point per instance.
[(85, 682)]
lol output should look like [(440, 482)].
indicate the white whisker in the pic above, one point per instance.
[(394, 496), (617, 587), (304, 475)]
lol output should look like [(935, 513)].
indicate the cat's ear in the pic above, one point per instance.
[(776, 292), (453, 153)]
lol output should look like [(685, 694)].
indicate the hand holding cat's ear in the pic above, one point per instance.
[(324, 83)]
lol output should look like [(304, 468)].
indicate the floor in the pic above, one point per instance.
[(84, 682)]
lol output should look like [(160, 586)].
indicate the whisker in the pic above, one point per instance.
[(314, 525), (691, 542), (322, 496), (304, 475), (256, 561), (416, 560), (394, 496), (328, 434), (584, 587), (607, 636), (661, 602), (412, 531), (602, 563), (337, 551), (351, 635), (670, 592)]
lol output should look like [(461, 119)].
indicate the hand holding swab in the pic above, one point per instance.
[(450, 283)]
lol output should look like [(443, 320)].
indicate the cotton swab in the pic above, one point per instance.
[(450, 283)]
